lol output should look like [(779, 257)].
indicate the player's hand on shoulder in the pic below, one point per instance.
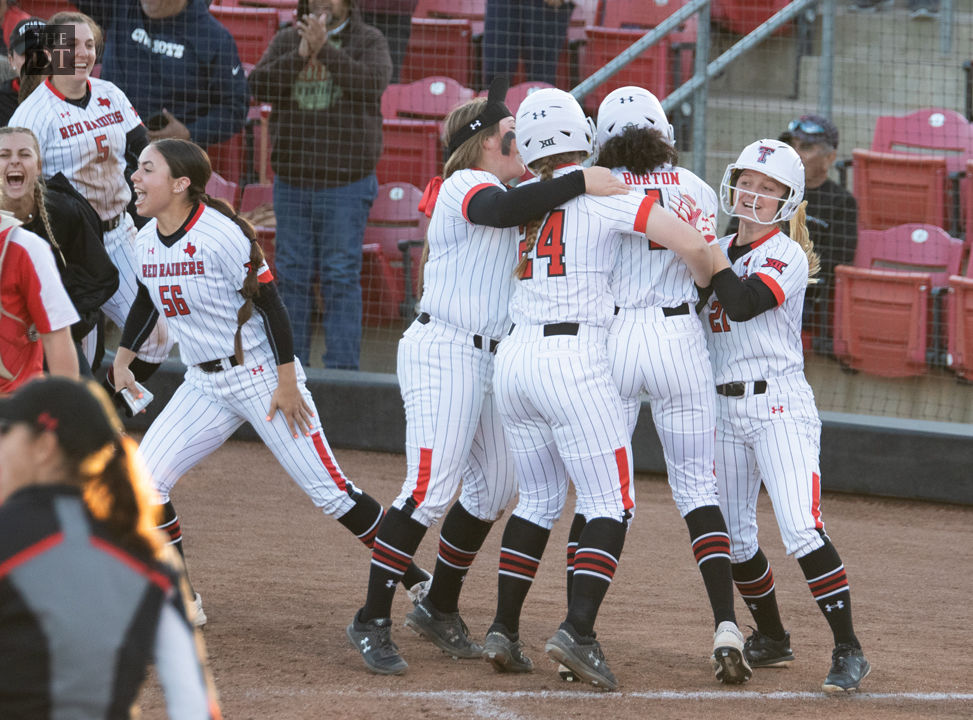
[(288, 401), (600, 181)]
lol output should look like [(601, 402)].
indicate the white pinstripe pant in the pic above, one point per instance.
[(666, 357), (453, 430), (772, 439), (208, 407), (563, 417)]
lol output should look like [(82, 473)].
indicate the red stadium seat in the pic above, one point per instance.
[(649, 70), (430, 98), (258, 123), (896, 189), (947, 132), (911, 248), (959, 326), (251, 27), (472, 10), (966, 196), (256, 194), (744, 16), (411, 151), (228, 157), (267, 239), (517, 93), (399, 229), (218, 187), (882, 320), (439, 47)]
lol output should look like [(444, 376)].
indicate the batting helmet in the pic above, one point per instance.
[(550, 122), (775, 159), (632, 106)]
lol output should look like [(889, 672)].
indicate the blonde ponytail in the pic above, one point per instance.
[(800, 235)]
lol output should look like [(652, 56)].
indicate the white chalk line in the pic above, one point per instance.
[(479, 697)]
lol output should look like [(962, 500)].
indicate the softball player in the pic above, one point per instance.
[(767, 426), (86, 126), (445, 370), (196, 259), (36, 313), (561, 412), (657, 346)]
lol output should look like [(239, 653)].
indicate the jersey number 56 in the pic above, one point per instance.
[(172, 301)]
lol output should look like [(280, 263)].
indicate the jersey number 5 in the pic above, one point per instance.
[(104, 151), (550, 244), (172, 300), (718, 321)]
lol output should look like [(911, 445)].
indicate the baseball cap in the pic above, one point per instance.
[(80, 413), (18, 39), (811, 129)]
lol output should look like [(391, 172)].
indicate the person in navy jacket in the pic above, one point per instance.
[(177, 64)]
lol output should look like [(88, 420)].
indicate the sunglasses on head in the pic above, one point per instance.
[(806, 126)]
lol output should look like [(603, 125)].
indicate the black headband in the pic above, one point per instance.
[(493, 112)]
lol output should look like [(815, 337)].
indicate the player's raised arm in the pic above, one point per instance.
[(678, 235)]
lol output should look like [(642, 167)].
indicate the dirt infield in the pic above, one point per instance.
[(280, 582)]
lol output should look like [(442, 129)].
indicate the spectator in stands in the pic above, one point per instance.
[(394, 19), (10, 16), (918, 9), (832, 220), (324, 77), (530, 30), (176, 63), (10, 87)]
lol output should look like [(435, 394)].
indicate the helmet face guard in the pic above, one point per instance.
[(776, 160), (551, 122)]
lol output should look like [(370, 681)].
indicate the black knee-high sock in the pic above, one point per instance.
[(755, 581), (520, 554), (595, 562), (828, 582), (711, 546), (577, 525), (459, 542), (363, 521), (142, 370), (397, 540), (169, 524)]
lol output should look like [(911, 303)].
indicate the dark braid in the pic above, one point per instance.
[(186, 159), (40, 188), (544, 169)]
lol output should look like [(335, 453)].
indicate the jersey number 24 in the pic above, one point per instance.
[(550, 244)]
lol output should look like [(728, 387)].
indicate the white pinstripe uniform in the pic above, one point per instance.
[(770, 437), (445, 364), (664, 355), (87, 145), (194, 283), (561, 411)]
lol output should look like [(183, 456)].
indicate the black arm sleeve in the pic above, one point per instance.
[(135, 141), (517, 206), (271, 308), (743, 299), (142, 317)]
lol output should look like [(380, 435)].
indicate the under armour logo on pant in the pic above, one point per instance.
[(258, 369), (778, 409)]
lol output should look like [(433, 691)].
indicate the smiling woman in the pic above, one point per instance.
[(86, 128)]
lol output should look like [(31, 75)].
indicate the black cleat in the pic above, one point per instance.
[(374, 641), (848, 668), (447, 631), (762, 651), (582, 656)]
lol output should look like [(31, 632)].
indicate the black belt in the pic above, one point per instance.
[(215, 366), (669, 312), (561, 329), (739, 389), (424, 318), (109, 225)]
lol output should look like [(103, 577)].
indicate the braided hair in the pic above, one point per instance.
[(186, 159), (544, 169), (800, 235)]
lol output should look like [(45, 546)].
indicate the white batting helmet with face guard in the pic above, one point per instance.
[(631, 106), (550, 122), (775, 159)]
